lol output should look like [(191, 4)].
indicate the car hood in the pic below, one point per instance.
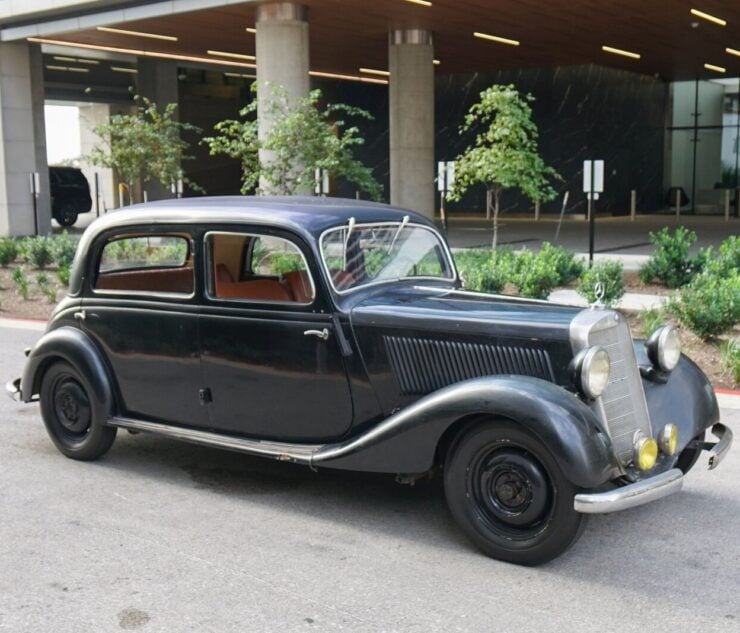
[(415, 339)]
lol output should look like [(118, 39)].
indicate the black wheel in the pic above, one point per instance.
[(689, 456), (74, 421), (67, 215), (509, 495)]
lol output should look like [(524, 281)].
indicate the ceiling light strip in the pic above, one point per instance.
[(620, 51), (140, 53), (123, 69), (733, 51), (717, 69), (153, 36), (423, 3), (77, 60), (67, 69), (708, 17), (251, 30), (367, 80), (250, 58), (375, 71), (496, 38)]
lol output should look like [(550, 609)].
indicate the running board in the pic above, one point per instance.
[(282, 451)]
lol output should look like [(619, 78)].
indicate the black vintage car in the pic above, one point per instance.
[(70, 194), (335, 333)]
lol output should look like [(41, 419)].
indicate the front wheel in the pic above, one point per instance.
[(74, 422), (509, 495)]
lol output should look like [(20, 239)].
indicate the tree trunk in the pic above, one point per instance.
[(496, 203), (488, 204)]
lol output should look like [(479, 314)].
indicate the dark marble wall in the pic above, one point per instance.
[(582, 112)]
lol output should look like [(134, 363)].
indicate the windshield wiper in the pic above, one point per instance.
[(401, 226), (350, 228)]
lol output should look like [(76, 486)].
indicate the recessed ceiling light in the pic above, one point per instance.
[(68, 69), (708, 17), (717, 69), (436, 62), (249, 29), (367, 80), (619, 51), (732, 51), (424, 3), (496, 38), (124, 69), (375, 71), (77, 60), (250, 58), (154, 36)]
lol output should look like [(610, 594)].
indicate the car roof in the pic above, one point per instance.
[(306, 215)]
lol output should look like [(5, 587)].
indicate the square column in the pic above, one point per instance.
[(411, 109), (22, 141)]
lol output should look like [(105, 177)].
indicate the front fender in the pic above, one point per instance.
[(407, 441), (76, 348)]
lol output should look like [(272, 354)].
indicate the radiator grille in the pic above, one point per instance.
[(623, 401), (425, 365)]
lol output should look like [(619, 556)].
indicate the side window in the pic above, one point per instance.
[(265, 268), (147, 263)]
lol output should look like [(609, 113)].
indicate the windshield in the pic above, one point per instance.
[(360, 254)]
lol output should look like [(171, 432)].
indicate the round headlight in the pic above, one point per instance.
[(664, 348), (646, 452), (593, 371), (668, 439)]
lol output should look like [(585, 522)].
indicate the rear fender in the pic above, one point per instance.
[(76, 348), (407, 441)]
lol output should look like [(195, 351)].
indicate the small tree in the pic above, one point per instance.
[(144, 146), (303, 138), (504, 154)]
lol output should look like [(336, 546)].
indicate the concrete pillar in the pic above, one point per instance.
[(282, 60), (411, 110), (90, 116), (22, 140), (157, 81)]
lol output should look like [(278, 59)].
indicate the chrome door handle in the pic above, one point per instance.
[(80, 316), (322, 334)]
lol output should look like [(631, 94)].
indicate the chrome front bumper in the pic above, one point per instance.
[(647, 490), (13, 389)]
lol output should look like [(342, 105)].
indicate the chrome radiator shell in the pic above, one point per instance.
[(622, 407)]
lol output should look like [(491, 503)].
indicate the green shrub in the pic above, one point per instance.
[(534, 276), (709, 305), (670, 262), (724, 260), (42, 279), (561, 260), (63, 249), (9, 251), (484, 270), (21, 283), (37, 251), (48, 290), (730, 354), (652, 319), (608, 273), (63, 274)]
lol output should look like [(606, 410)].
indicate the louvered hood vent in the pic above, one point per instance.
[(424, 365)]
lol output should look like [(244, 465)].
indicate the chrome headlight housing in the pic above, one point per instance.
[(664, 348), (592, 371)]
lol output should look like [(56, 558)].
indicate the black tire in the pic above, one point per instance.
[(689, 456), (73, 420), (509, 495), (67, 215)]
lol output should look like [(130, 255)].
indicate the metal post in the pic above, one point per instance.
[(560, 221), (727, 205), (633, 205), (35, 197), (146, 196), (120, 195), (591, 214), (678, 204), (97, 195), (537, 211), (442, 212)]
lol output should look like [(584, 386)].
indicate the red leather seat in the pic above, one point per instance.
[(300, 286), (256, 290)]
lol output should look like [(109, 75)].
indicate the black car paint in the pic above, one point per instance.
[(383, 431), (69, 187)]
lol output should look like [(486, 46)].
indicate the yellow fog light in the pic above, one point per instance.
[(646, 452), (668, 439)]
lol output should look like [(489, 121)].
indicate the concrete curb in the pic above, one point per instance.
[(23, 324)]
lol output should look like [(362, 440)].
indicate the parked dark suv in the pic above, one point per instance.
[(70, 194)]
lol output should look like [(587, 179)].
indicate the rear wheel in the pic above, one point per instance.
[(509, 495), (67, 215), (74, 422)]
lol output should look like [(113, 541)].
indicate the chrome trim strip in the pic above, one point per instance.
[(719, 450), (282, 451), (631, 495), (13, 389)]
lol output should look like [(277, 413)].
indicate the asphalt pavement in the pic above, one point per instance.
[(161, 536)]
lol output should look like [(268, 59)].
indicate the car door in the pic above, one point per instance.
[(142, 312), (269, 351)]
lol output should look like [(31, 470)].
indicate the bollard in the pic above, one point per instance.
[(727, 205), (678, 204), (537, 211), (633, 205)]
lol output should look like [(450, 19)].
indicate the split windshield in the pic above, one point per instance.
[(360, 254)]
